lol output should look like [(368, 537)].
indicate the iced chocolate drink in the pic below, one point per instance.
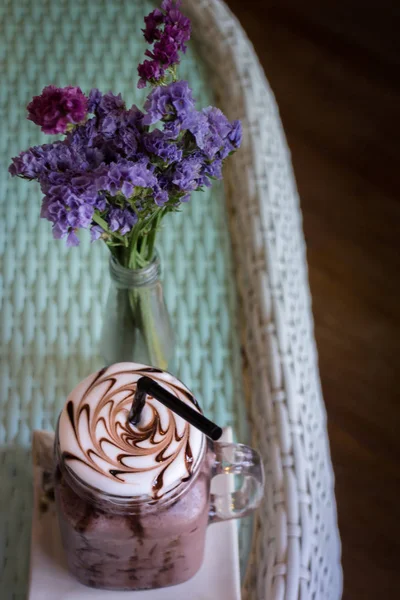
[(134, 501)]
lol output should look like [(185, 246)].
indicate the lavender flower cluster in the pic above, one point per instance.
[(116, 166)]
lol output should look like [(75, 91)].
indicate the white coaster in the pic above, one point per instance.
[(217, 579)]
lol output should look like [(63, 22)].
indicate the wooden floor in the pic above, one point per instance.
[(334, 68)]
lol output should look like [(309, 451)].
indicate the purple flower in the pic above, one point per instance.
[(218, 122), (134, 118), (109, 125), (218, 129), (181, 98), (94, 99), (232, 141), (84, 187), (60, 158), (81, 216), (169, 41), (127, 141), (172, 129), (59, 233), (70, 200), (95, 233), (197, 124), (156, 142), (56, 107), (213, 169), (104, 139), (100, 203), (152, 21), (67, 213), (187, 173), (112, 165), (160, 196), (213, 133), (177, 26), (174, 17), (84, 135), (29, 164), (110, 102), (39, 161), (165, 52), (168, 102), (167, 5), (157, 106), (149, 70), (235, 134), (121, 220), (114, 131), (101, 104), (56, 212), (179, 35), (124, 175), (72, 239)]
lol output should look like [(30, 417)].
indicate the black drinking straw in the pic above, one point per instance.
[(146, 385)]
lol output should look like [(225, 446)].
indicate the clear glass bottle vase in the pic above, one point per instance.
[(136, 326)]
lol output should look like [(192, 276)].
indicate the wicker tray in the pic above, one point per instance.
[(243, 323)]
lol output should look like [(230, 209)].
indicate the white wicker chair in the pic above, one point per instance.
[(296, 548)]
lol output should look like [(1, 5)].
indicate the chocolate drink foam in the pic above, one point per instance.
[(104, 450)]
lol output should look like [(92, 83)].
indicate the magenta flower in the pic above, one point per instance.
[(169, 30), (165, 52), (152, 21), (149, 70), (56, 107)]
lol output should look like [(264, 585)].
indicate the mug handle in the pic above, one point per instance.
[(237, 459)]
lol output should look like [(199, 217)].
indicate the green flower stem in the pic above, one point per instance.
[(156, 353), (143, 247), (139, 252), (137, 255), (140, 304), (100, 221), (135, 252), (153, 233), (131, 261)]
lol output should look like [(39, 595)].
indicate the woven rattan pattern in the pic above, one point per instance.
[(296, 551)]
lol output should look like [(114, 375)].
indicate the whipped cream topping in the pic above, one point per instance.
[(103, 449)]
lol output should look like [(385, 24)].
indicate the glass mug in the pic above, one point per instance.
[(134, 502)]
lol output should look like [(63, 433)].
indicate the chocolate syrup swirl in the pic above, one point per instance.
[(100, 445)]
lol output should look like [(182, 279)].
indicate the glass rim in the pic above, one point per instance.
[(126, 277)]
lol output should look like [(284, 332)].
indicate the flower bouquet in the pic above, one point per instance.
[(118, 171)]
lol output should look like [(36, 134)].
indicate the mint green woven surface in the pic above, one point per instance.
[(52, 298)]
